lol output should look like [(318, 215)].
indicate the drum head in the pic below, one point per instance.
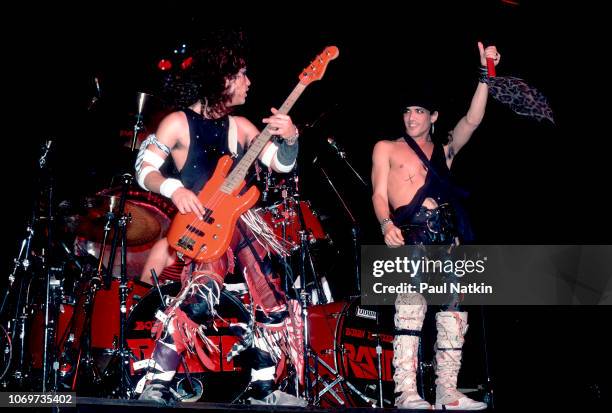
[(230, 310), (357, 336), (344, 336)]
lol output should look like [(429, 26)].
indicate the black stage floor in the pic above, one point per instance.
[(99, 405)]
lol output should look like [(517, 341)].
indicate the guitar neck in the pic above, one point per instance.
[(235, 178)]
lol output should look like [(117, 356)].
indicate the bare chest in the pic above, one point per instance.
[(406, 167)]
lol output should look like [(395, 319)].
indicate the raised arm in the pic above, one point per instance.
[(467, 124)]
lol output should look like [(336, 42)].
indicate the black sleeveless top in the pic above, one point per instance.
[(442, 193), (432, 188), (208, 141)]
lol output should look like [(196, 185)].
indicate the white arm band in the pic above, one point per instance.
[(142, 174), (142, 152), (268, 154), (168, 187), (153, 158)]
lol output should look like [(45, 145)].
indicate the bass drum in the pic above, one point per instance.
[(227, 380), (344, 338)]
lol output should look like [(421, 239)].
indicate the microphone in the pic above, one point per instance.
[(45, 151), (337, 148), (97, 82), (96, 97), (340, 152), (321, 116)]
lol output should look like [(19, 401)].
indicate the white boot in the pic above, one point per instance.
[(452, 326), (409, 315)]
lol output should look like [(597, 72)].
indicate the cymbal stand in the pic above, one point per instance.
[(337, 382), (81, 368), (119, 223), (304, 295), (52, 287), (122, 354), (379, 361), (292, 192), (116, 221), (139, 125), (332, 381), (77, 360), (305, 303), (17, 331), (306, 256), (309, 354), (16, 323), (84, 356)]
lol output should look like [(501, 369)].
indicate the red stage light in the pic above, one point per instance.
[(164, 65), (186, 63)]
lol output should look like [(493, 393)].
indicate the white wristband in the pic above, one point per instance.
[(280, 167), (268, 154), (168, 187)]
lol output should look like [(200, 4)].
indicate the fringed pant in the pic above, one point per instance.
[(273, 336)]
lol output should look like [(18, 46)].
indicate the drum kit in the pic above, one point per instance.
[(74, 316)]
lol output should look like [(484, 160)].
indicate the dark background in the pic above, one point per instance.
[(531, 182)]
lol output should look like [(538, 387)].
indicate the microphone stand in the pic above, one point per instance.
[(354, 228), (342, 156), (489, 396), (51, 283)]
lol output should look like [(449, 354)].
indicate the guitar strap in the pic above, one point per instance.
[(456, 193)]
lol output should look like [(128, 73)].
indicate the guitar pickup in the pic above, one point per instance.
[(186, 243), (195, 230), (208, 216)]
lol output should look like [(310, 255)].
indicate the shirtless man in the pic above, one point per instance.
[(424, 212)]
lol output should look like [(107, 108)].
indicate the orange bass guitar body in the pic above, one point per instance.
[(208, 239)]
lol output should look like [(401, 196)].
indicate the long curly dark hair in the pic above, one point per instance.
[(218, 57)]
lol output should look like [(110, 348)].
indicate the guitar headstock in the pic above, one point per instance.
[(316, 69)]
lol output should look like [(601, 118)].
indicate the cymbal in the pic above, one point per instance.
[(142, 228)]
